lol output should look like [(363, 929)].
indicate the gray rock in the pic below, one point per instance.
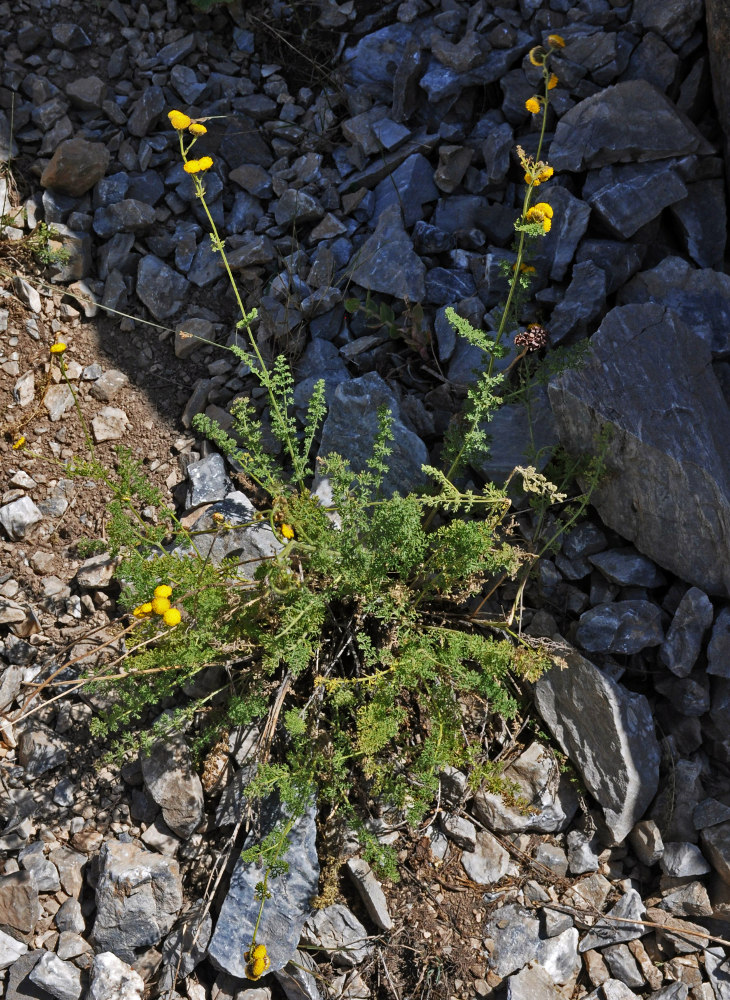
[(570, 220), (665, 471), (709, 812), (160, 288), (550, 797), (628, 123), (298, 979), (553, 857), (57, 400), (69, 917), (532, 983), (175, 52), (355, 404), (646, 841), (109, 424), (603, 932), (370, 892), (693, 617), (715, 841), (674, 20), (18, 516), (674, 805), (621, 627), (386, 262), (690, 900), (174, 785), (69, 36), (337, 931), (146, 111), (701, 220), (208, 481), (625, 198), (608, 734), (520, 434), (516, 935), (718, 648), (583, 302), (558, 955), (45, 873), (40, 749), (654, 61), (75, 167), (461, 830), (138, 896), (627, 567), (623, 965), (27, 294), (61, 979), (113, 979), (410, 187), (248, 540), (681, 860), (283, 916), (619, 260), (106, 387), (582, 853), (700, 298), (297, 207), (190, 335), (128, 216), (96, 572), (487, 862)]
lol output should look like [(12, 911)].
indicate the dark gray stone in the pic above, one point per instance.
[(138, 896), (693, 617), (619, 260), (337, 931), (61, 979), (621, 627), (702, 220), (627, 568), (444, 287), (174, 785), (410, 186), (701, 298), (673, 20), (208, 481), (128, 216), (159, 287), (603, 932), (146, 111), (520, 434), (185, 946), (608, 734), (516, 934), (666, 471), (386, 262), (628, 123), (718, 648), (355, 404), (583, 302), (285, 912), (555, 252), (627, 197), (653, 60)]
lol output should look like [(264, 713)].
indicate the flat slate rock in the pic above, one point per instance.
[(631, 122), (608, 734), (667, 483)]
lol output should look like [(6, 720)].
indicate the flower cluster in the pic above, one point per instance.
[(257, 961), (542, 213), (537, 173), (533, 338), (196, 166), (160, 605)]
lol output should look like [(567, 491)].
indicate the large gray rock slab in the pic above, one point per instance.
[(285, 912), (515, 932), (630, 122), (355, 405), (608, 734), (700, 298), (173, 783), (627, 196), (648, 380), (138, 896)]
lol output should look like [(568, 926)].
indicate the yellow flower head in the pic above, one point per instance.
[(552, 81), (533, 105), (197, 129), (58, 348), (288, 532), (218, 517), (536, 55), (19, 443), (259, 951), (139, 611), (195, 166), (163, 590), (257, 961), (160, 605), (179, 121), (146, 608), (556, 41), (542, 213), (171, 617)]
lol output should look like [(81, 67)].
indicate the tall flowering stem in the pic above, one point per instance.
[(534, 220)]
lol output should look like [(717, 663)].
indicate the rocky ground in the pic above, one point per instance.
[(367, 147)]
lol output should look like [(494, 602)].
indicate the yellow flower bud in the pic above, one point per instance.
[(197, 129), (532, 105), (19, 443), (287, 531), (163, 590), (160, 605), (58, 348), (556, 41), (552, 81), (172, 617)]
